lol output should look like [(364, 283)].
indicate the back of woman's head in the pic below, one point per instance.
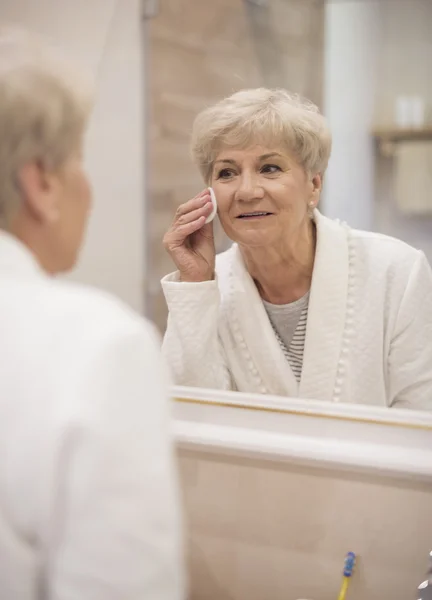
[(44, 108), (269, 117)]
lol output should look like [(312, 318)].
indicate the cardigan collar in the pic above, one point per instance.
[(327, 321)]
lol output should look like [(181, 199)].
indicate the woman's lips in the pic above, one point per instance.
[(254, 215)]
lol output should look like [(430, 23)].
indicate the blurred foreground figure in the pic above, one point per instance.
[(88, 495)]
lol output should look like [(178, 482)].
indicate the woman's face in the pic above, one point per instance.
[(263, 194)]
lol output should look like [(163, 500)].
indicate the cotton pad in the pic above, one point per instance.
[(214, 211)]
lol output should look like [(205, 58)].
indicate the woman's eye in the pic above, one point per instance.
[(225, 173), (270, 169)]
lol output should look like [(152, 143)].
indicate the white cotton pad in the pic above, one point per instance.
[(214, 211)]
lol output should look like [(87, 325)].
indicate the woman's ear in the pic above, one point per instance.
[(316, 186), (39, 192), (317, 183)]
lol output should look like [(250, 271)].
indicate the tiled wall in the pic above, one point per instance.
[(268, 531), (200, 52)]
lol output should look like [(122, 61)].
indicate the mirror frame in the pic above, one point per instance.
[(305, 433), (393, 417)]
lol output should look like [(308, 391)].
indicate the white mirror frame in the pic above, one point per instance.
[(395, 443)]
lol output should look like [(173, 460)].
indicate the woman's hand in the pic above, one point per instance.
[(190, 241)]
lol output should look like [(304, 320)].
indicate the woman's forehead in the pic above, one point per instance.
[(255, 151)]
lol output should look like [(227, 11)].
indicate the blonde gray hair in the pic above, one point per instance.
[(44, 107), (271, 117)]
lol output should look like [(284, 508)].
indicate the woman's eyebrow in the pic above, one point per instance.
[(270, 155), (226, 160)]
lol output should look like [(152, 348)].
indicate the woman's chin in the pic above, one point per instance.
[(252, 238), (252, 232)]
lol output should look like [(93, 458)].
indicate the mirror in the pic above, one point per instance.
[(310, 308)]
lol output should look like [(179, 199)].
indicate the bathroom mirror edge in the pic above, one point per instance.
[(372, 414), (364, 442)]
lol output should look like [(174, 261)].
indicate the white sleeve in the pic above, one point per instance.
[(410, 359), (115, 514), (191, 345)]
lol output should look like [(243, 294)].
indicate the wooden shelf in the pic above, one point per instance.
[(388, 138)]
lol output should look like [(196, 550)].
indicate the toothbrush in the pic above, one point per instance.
[(347, 573)]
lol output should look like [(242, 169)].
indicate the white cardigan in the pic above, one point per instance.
[(88, 494), (369, 328)]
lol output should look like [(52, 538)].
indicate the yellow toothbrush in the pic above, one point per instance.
[(347, 573)]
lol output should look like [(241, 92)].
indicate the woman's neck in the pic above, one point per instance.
[(283, 273)]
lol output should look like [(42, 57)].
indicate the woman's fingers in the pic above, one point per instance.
[(198, 202), (193, 214), (184, 231), (177, 235), (189, 218)]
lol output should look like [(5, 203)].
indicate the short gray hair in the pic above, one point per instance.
[(45, 103), (268, 116)]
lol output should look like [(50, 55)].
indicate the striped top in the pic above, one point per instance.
[(289, 324)]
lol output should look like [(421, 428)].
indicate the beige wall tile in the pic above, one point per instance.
[(287, 530), (283, 501), (212, 504), (213, 568)]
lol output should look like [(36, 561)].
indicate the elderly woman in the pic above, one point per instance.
[(75, 370), (300, 305)]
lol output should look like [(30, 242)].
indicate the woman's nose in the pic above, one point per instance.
[(249, 189)]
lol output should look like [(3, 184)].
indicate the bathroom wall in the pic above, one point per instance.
[(403, 68), (105, 36), (266, 530), (200, 52)]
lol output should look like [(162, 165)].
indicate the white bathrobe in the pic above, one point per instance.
[(88, 499), (369, 327)]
